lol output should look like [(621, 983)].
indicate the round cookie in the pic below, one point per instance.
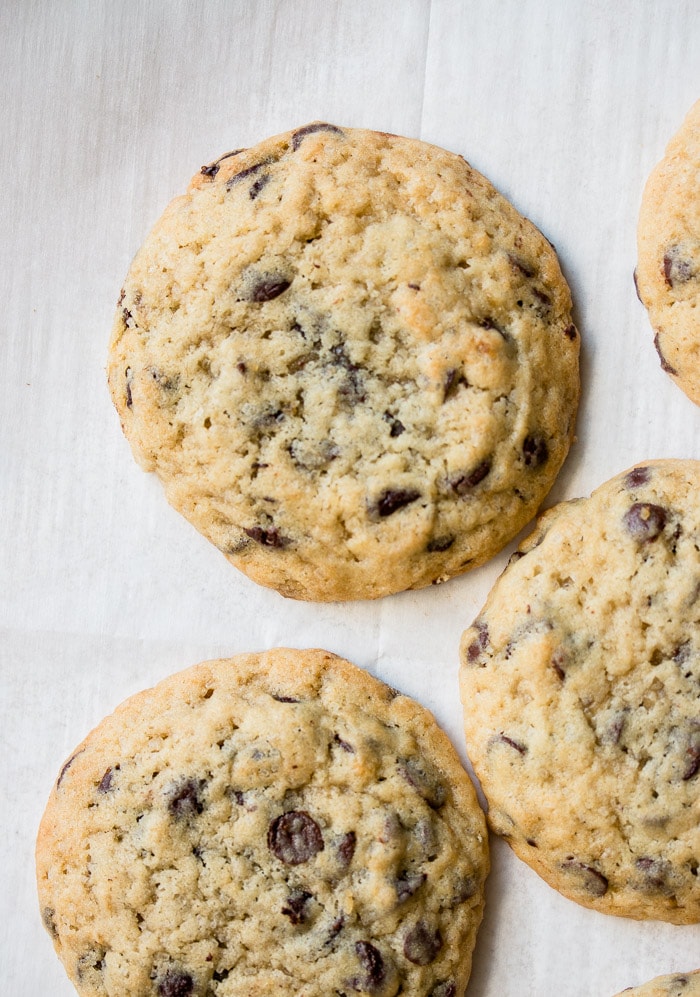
[(668, 269), (673, 985), (273, 824), (350, 362), (580, 684)]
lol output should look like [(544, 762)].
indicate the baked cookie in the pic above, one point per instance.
[(350, 362), (668, 269), (580, 684), (273, 824), (674, 985)]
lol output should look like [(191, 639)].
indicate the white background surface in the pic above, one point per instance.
[(107, 110)]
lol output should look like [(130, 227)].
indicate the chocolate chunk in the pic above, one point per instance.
[(439, 544), (213, 168), (512, 743), (249, 172), (185, 798), (373, 965), (571, 332), (425, 781), (463, 483), (175, 983), (446, 989), (396, 426), (317, 126), (294, 837), (645, 521), (421, 944), (258, 185), (677, 268), (106, 780), (393, 499), (294, 907), (453, 379), (48, 916), (346, 848), (535, 451), (665, 365), (591, 880), (267, 287), (271, 537), (408, 883), (637, 477)]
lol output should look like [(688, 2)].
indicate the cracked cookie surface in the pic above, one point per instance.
[(672, 985), (272, 824), (350, 362), (580, 684), (668, 269)]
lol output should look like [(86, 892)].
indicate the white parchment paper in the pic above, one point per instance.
[(108, 109)]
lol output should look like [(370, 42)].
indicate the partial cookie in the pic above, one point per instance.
[(668, 270), (350, 362), (273, 824), (580, 684), (674, 985)]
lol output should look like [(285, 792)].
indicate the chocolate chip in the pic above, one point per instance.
[(480, 643), (512, 743), (465, 888), (185, 798), (393, 499), (313, 458), (65, 768), (249, 172), (396, 426), (286, 699), (557, 661), (48, 916), (317, 126), (526, 268), (571, 332), (259, 184), (271, 537), (346, 848), (414, 287), (677, 268), (421, 945), (453, 379), (106, 781), (655, 872), (220, 974), (90, 964), (408, 883), (175, 983), (294, 837), (462, 484), (373, 965), (645, 521), (127, 387), (213, 168), (439, 544), (294, 907), (425, 781), (352, 389), (267, 287), (637, 477), (613, 732), (343, 744), (335, 929), (636, 284), (692, 758), (665, 365), (535, 451), (591, 880)]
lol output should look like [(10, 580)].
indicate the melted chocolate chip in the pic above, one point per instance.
[(677, 268), (373, 965), (213, 168), (346, 848), (408, 883), (257, 187), (591, 880), (479, 644), (175, 983), (317, 126), (558, 660), (463, 483), (249, 172), (421, 945), (106, 781), (535, 451), (267, 287), (65, 768), (665, 365), (294, 907), (439, 544), (655, 872), (343, 744), (425, 781), (692, 759), (127, 387), (645, 521), (526, 268), (294, 837), (271, 537), (512, 743), (185, 798), (637, 477), (286, 699), (393, 499)]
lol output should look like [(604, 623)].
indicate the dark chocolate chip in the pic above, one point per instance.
[(346, 848), (463, 483), (373, 965), (421, 944), (396, 426), (393, 499), (256, 187), (106, 781), (175, 983), (408, 883), (591, 880), (439, 544), (295, 905), (249, 172), (665, 365), (414, 287), (185, 798), (48, 916), (213, 168), (637, 477), (425, 781), (645, 521), (271, 537), (453, 379), (677, 269), (294, 837), (267, 287), (535, 451), (343, 744), (317, 126), (512, 743), (571, 332)]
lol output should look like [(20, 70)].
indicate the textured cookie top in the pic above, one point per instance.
[(581, 692), (673, 985), (668, 271), (349, 360), (273, 824)]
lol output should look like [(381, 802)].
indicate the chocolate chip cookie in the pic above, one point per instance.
[(674, 985), (350, 362), (668, 271), (273, 824), (581, 691)]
